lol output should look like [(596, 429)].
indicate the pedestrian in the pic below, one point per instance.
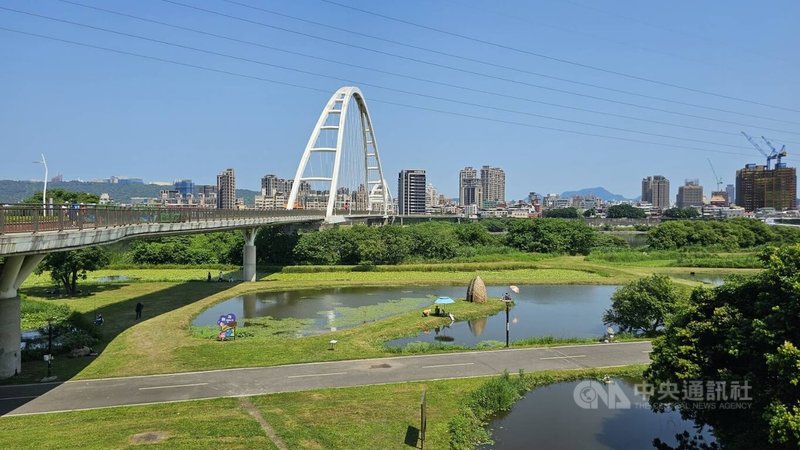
[(98, 320), (209, 276), (139, 308), (219, 278)]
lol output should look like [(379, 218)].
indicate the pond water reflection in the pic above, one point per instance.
[(549, 417), (539, 310)]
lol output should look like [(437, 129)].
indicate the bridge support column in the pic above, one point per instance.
[(249, 263), (12, 273)]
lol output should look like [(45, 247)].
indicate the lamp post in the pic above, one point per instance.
[(44, 190), (507, 301), (49, 357)]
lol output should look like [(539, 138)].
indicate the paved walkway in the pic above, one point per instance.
[(109, 392)]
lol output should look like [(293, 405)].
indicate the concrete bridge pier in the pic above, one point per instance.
[(12, 273), (249, 263)]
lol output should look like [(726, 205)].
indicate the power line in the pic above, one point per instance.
[(481, 74), (594, 37), (422, 108), (346, 80), (343, 63), (553, 58), (670, 30), (475, 60)]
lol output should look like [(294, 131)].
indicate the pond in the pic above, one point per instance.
[(329, 309), (549, 417), (563, 311), (711, 279), (113, 279)]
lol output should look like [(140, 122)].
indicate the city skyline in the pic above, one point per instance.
[(178, 117)]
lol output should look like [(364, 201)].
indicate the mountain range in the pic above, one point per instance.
[(599, 192)]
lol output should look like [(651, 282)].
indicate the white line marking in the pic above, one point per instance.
[(647, 351), (18, 398), (447, 365), (172, 386), (316, 375), (564, 357)]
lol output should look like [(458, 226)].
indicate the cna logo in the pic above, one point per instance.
[(588, 394)]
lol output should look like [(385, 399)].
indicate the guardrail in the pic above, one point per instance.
[(27, 218)]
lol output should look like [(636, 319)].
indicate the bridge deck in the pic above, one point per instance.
[(27, 229)]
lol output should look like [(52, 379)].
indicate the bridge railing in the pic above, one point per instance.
[(28, 218)]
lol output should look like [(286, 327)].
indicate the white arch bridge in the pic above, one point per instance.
[(339, 178)]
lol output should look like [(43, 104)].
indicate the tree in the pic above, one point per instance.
[(681, 213), (61, 196), (473, 234), (67, 267), (625, 211), (275, 245), (644, 305), (590, 213), (745, 331), (551, 236), (562, 213)]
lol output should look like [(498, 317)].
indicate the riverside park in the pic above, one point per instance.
[(355, 356)]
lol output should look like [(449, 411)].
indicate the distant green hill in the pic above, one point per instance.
[(12, 191)]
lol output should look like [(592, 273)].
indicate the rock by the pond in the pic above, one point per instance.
[(476, 292)]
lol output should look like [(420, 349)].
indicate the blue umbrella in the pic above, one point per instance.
[(444, 301)]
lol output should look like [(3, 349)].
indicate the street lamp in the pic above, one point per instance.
[(507, 300), (49, 356), (44, 190)]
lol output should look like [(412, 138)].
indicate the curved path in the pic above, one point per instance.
[(111, 392)]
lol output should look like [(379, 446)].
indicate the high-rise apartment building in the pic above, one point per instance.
[(493, 183), (467, 178), (431, 196), (411, 186), (226, 190), (655, 190), (271, 185), (690, 194), (731, 191), (184, 187), (757, 187)]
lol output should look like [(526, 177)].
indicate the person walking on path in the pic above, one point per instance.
[(139, 308)]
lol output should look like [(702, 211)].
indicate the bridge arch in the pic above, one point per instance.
[(334, 120)]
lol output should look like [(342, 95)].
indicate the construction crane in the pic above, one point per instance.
[(778, 154), (717, 179), (755, 144)]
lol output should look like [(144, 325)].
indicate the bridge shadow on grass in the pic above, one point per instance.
[(119, 315)]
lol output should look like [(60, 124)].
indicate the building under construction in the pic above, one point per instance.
[(758, 186)]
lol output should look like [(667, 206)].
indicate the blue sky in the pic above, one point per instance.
[(95, 113)]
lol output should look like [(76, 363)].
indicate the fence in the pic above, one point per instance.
[(27, 218)]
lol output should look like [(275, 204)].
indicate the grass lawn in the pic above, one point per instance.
[(365, 417), (164, 342), (219, 423)]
